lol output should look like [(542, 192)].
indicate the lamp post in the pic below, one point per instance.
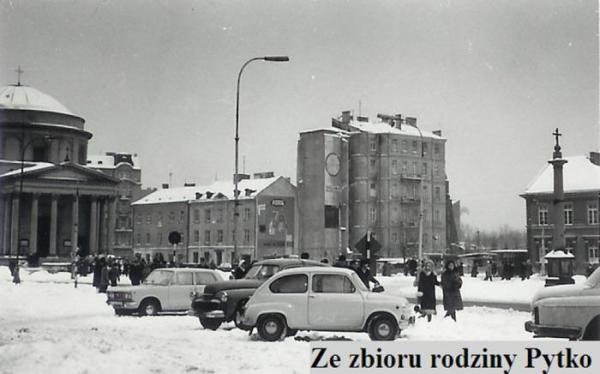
[(24, 146), (237, 140), (421, 204)]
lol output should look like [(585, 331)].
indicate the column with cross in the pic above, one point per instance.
[(557, 162)]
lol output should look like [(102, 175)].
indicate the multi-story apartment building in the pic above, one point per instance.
[(379, 177), (581, 180), (204, 215), (127, 169)]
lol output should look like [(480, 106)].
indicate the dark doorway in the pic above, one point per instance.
[(43, 239)]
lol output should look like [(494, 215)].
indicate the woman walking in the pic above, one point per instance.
[(451, 284), (426, 288)]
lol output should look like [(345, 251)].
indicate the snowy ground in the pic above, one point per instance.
[(47, 324)]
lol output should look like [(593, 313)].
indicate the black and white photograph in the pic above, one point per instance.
[(212, 186)]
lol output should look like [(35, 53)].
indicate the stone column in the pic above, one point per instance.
[(112, 216), (33, 226), (53, 224), (75, 222), (15, 227), (103, 224), (6, 225), (558, 233), (94, 225)]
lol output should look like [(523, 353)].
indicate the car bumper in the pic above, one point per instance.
[(123, 304), (552, 331)]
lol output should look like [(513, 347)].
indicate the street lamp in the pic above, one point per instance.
[(24, 146), (236, 192)]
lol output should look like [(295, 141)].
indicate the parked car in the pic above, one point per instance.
[(164, 290), (567, 311), (223, 301), (324, 299)]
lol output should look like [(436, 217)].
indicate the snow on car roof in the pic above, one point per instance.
[(579, 174)]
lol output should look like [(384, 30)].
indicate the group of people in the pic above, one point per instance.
[(361, 268), (450, 281)]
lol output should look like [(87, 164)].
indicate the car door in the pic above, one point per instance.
[(334, 303), (179, 290), (289, 295)]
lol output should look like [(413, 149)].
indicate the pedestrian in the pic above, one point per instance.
[(426, 290), (341, 262), (103, 280), (74, 266), (97, 269), (488, 271), (113, 272), (474, 270), (451, 284), (364, 273), (136, 270), (240, 270)]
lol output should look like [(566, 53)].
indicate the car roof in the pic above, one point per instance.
[(317, 269), (289, 261)]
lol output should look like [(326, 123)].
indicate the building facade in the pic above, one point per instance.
[(371, 176), (51, 202), (127, 169), (581, 178), (203, 215)]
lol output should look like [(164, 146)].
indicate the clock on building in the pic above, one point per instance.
[(332, 164)]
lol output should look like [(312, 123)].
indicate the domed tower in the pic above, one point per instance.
[(51, 203), (52, 132)]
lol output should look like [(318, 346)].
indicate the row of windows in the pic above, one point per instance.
[(569, 214), (173, 217), (593, 253), (408, 214), (321, 283), (404, 147), (219, 238), (218, 215), (414, 170)]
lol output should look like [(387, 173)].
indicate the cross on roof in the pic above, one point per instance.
[(19, 71), (556, 135)]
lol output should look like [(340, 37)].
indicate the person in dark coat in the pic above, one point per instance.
[(113, 272), (426, 290), (361, 268), (451, 284), (97, 270), (341, 262), (103, 281)]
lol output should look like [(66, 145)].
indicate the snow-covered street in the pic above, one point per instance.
[(46, 323)]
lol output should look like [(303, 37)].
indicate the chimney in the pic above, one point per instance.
[(198, 195), (263, 175), (362, 119), (437, 132), (412, 121), (595, 158), (346, 117), (185, 184), (165, 186), (209, 194), (240, 177)]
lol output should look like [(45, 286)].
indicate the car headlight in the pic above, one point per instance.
[(223, 297)]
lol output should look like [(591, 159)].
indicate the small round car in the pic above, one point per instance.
[(324, 299)]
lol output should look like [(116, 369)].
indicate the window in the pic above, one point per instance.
[(181, 216), (246, 236), (594, 256), (372, 145), (436, 148), (233, 235), (219, 236), (543, 215), (415, 146), (196, 236), (220, 215), (202, 277), (207, 237), (404, 167), (437, 216), (196, 215), (148, 238), (195, 257), (404, 146), (592, 212), (138, 239), (424, 170), (394, 192), (394, 145), (184, 278), (246, 214), (372, 214), (372, 163), (297, 283), (394, 237), (436, 170), (329, 283), (331, 217), (149, 219), (437, 193), (159, 238), (424, 145), (373, 190), (171, 217), (207, 216), (568, 209), (394, 167), (138, 219), (415, 168), (159, 219)]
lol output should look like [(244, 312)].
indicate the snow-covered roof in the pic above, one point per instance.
[(108, 162), (29, 98), (217, 190), (31, 166), (579, 175), (558, 254), (385, 128)]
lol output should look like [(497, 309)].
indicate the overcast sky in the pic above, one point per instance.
[(157, 78)]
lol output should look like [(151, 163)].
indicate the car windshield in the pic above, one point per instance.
[(261, 271), (159, 277), (594, 279)]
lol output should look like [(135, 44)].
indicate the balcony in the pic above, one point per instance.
[(411, 176), (409, 200), (123, 229)]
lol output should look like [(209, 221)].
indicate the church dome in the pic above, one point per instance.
[(19, 97)]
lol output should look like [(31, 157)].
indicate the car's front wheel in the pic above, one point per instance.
[(272, 327), (149, 307), (210, 324), (383, 328)]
